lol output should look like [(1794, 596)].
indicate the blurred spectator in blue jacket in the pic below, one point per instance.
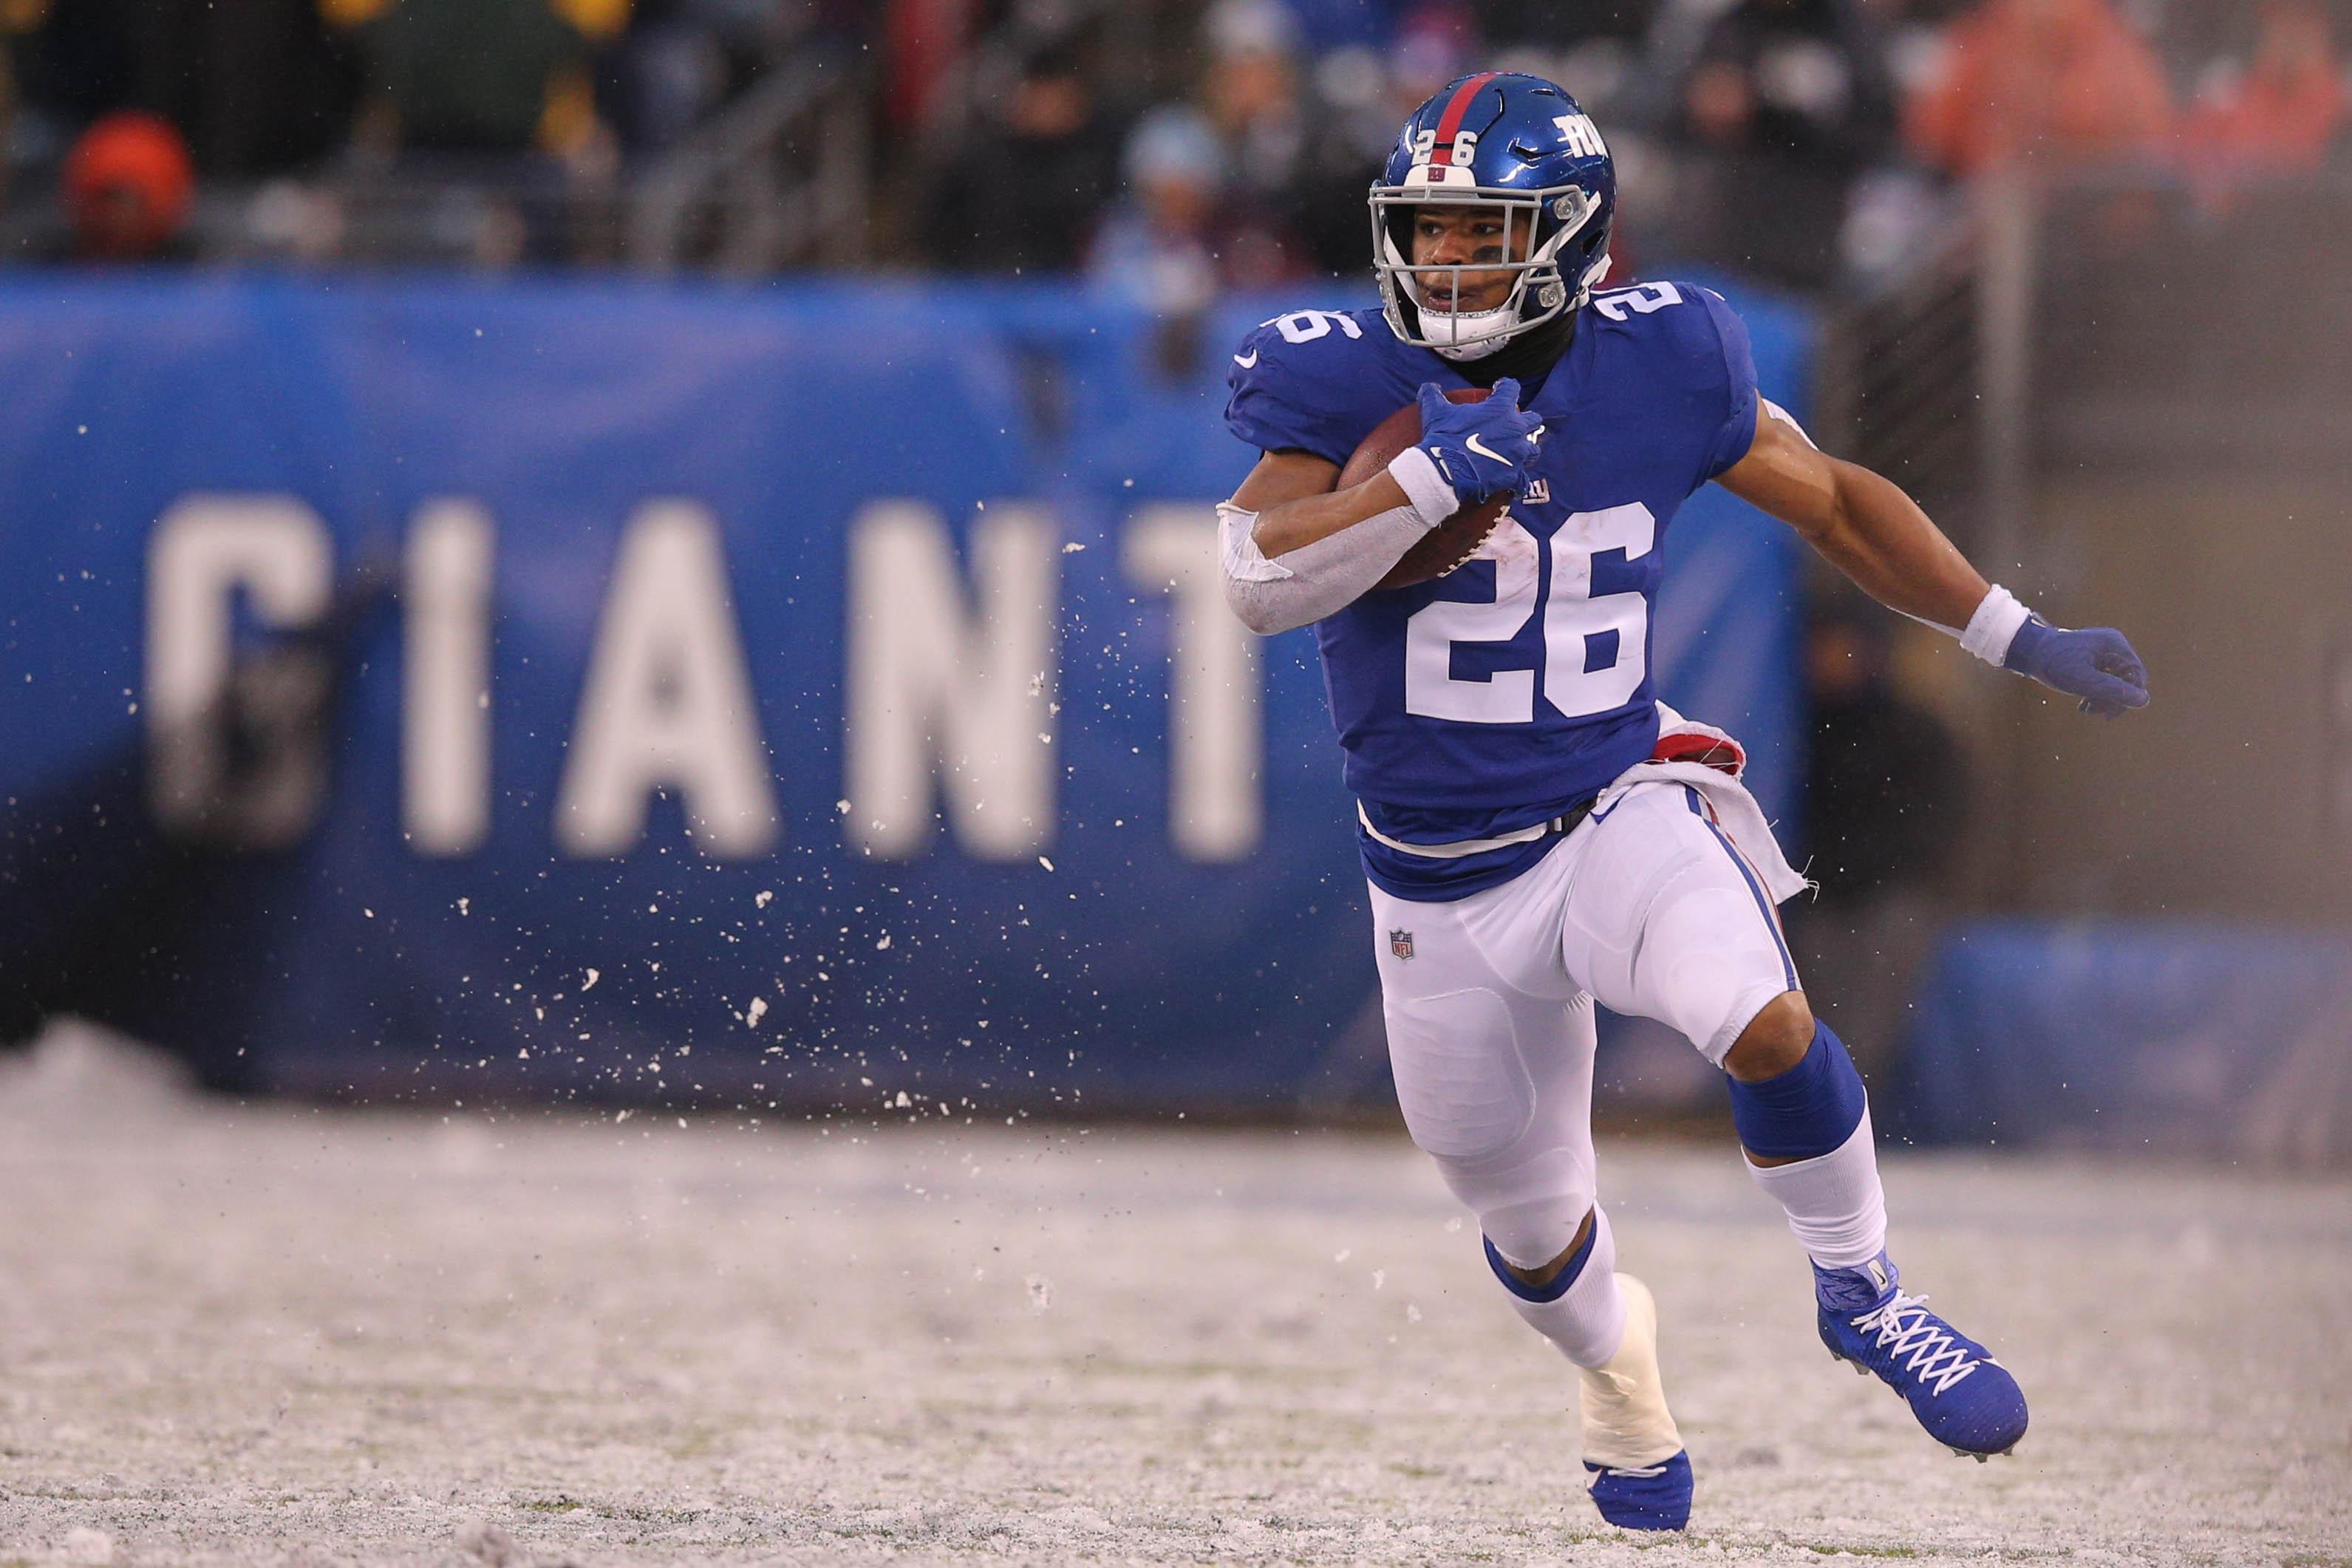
[(1296, 157), (1155, 247), (1252, 100)]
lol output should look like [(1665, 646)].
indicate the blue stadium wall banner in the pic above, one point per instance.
[(808, 693), (2176, 1038)]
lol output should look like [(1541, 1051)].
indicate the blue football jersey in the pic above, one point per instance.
[(1518, 685)]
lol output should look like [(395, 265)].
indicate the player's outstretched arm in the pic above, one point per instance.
[(1866, 526)]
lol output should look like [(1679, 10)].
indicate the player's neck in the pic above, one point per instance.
[(1529, 357)]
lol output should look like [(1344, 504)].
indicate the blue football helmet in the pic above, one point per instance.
[(1514, 142)]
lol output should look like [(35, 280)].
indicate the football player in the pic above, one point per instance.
[(1539, 831)]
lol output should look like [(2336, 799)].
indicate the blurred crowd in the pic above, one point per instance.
[(1172, 150), (1812, 142)]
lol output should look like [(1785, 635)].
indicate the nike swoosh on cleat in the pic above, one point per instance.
[(1485, 451), (1250, 363)]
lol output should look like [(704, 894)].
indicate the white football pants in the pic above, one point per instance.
[(1489, 999)]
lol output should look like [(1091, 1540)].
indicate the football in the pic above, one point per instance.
[(1451, 542)]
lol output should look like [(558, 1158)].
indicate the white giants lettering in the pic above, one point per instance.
[(445, 707), (206, 554), (949, 687), (667, 702), (1217, 741)]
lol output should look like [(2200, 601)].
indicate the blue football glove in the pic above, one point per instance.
[(2096, 664), (1480, 449)]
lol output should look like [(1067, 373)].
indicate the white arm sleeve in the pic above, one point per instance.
[(1309, 583)]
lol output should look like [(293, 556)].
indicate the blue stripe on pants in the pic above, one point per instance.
[(1756, 889)]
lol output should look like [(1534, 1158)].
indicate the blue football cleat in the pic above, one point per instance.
[(1645, 1496), (1965, 1399)]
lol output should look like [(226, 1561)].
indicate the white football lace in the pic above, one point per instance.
[(1923, 1344)]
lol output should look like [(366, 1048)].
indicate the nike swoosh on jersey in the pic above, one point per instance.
[(1248, 364)]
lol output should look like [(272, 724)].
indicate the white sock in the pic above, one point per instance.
[(1588, 1321), (1833, 1201)]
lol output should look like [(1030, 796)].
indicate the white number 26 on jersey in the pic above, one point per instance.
[(1595, 648)]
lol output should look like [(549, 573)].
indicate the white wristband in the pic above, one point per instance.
[(1432, 499), (1994, 625)]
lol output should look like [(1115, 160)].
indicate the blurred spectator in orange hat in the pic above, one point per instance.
[(128, 184), (2043, 83), (2280, 113)]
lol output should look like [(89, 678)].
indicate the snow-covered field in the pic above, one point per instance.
[(271, 1334)]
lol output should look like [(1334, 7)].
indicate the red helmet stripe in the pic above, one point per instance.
[(1450, 122)]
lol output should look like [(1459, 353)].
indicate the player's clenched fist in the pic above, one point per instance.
[(2097, 664), (1473, 450)]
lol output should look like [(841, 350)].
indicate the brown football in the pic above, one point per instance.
[(1451, 542)]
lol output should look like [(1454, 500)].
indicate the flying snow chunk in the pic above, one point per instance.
[(1041, 1292), (1072, 548), (590, 984), (85, 1545), (1042, 861), (755, 1011), (884, 945), (765, 897)]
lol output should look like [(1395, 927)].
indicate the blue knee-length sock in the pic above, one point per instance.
[(1816, 1117)]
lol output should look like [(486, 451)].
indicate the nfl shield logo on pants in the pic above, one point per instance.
[(1401, 943)]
